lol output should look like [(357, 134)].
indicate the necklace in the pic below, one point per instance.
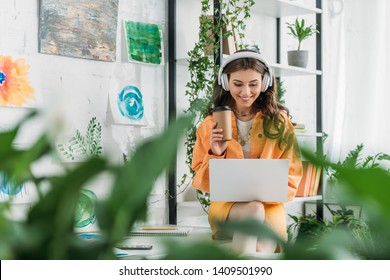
[(244, 131), (243, 114)]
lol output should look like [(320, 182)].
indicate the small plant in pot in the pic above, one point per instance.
[(301, 32)]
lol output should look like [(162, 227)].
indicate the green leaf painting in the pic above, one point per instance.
[(143, 42), (82, 146), (85, 212)]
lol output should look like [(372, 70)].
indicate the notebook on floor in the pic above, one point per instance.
[(242, 180)]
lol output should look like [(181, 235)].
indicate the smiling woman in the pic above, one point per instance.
[(261, 129)]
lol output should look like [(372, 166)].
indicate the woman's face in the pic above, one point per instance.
[(245, 87)]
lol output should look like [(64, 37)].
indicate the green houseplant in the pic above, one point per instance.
[(309, 230), (346, 235), (300, 31), (356, 160), (48, 230)]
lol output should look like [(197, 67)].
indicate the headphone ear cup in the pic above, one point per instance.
[(225, 81), (265, 82)]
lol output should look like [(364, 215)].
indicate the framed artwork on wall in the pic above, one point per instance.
[(18, 84), (144, 42), (16, 194), (86, 209), (79, 28), (127, 106), (82, 145)]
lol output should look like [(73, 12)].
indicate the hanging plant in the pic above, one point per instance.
[(202, 69)]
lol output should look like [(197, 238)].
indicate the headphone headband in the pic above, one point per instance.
[(268, 76)]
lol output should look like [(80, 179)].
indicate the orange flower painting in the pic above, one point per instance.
[(15, 90)]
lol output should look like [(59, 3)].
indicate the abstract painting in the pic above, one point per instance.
[(85, 212), (130, 103), (8, 188), (83, 146), (144, 42), (79, 28), (9, 191), (15, 89), (127, 106)]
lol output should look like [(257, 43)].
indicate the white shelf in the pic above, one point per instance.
[(182, 61), (283, 8), (281, 70), (308, 134), (306, 198)]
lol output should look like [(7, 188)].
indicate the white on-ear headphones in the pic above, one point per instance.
[(223, 79)]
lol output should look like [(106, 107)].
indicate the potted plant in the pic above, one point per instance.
[(355, 160), (301, 32), (309, 231)]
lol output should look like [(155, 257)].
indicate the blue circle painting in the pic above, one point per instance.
[(7, 187), (130, 103)]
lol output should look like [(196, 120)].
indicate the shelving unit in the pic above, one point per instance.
[(278, 9), (283, 8), (172, 202), (308, 198), (308, 134)]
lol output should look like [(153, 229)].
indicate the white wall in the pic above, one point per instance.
[(79, 88)]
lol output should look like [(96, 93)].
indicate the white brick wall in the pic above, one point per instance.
[(85, 84)]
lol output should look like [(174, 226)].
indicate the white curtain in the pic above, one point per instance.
[(356, 65)]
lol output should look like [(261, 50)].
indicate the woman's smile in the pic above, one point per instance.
[(245, 87)]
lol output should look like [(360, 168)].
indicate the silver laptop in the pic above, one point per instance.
[(242, 180)]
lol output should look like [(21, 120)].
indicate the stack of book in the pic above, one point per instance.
[(310, 180)]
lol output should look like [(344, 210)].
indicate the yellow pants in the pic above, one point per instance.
[(275, 217)]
